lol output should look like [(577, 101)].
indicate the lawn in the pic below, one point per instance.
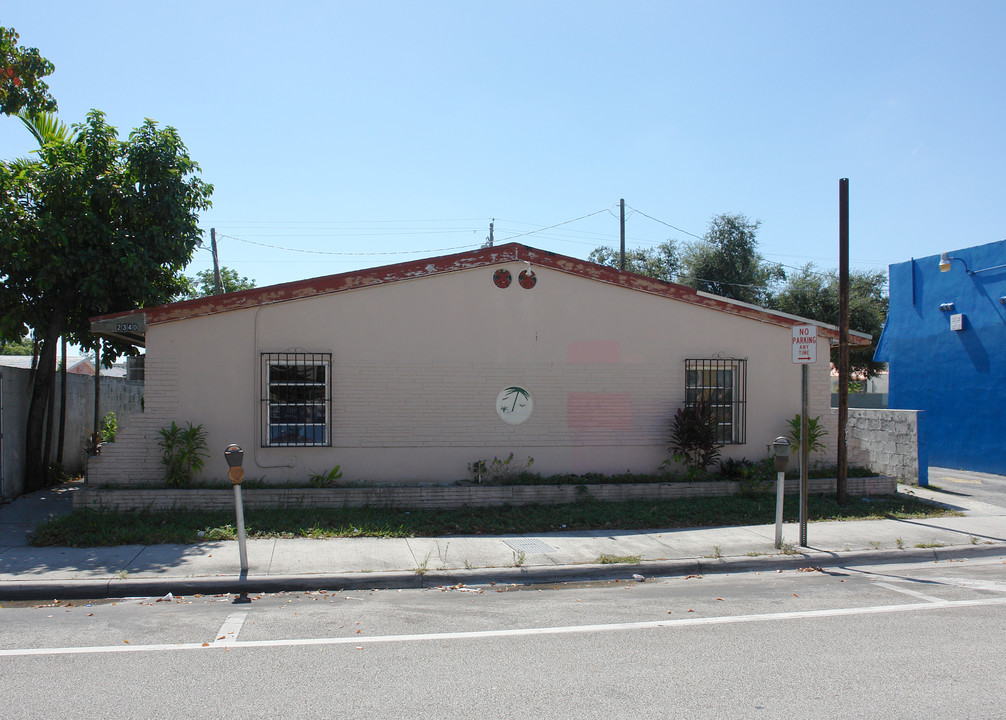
[(94, 528)]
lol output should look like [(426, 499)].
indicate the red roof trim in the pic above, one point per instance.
[(484, 257)]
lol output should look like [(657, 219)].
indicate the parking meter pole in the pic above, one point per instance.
[(234, 455), (780, 492), (239, 508), (780, 452), (804, 458)]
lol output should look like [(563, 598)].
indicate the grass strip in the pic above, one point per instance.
[(98, 528)]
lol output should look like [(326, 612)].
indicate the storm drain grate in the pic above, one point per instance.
[(529, 546)]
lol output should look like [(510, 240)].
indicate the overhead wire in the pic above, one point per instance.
[(334, 252)]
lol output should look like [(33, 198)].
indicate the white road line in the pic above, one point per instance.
[(906, 591), (522, 632), (228, 633)]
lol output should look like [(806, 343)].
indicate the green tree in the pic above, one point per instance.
[(203, 285), (726, 261), (21, 73), (94, 225), (661, 262), (814, 295), (24, 346)]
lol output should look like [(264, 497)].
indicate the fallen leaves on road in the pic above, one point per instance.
[(461, 587)]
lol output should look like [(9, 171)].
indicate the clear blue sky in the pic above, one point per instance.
[(397, 130)]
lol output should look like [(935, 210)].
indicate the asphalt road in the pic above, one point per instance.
[(984, 487), (910, 641)]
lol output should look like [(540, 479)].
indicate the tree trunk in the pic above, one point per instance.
[(43, 384), (62, 404)]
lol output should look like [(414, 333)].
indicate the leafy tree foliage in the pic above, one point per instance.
[(726, 261), (24, 346), (661, 262), (814, 295), (21, 73), (94, 225), (203, 285)]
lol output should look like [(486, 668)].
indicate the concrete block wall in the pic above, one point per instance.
[(135, 457), (888, 442), (426, 497), (118, 395)]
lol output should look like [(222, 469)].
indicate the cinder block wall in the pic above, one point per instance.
[(888, 442), (123, 397), (134, 458)]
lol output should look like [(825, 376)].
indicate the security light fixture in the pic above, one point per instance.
[(945, 259), (946, 307)]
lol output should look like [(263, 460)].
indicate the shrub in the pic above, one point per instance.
[(325, 479), (183, 453), (109, 428), (815, 431), (752, 478), (499, 471), (693, 436)]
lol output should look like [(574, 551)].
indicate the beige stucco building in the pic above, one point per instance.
[(410, 372)]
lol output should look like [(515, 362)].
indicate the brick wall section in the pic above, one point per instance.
[(134, 458), (886, 441), (420, 497)]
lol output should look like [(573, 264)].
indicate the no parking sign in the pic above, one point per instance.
[(805, 344)]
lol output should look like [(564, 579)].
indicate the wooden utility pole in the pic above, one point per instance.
[(218, 287), (843, 338), (621, 226), (97, 388)]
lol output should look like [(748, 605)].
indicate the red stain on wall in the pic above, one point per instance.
[(599, 411), (594, 351)]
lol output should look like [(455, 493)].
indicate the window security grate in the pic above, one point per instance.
[(296, 399), (722, 385)]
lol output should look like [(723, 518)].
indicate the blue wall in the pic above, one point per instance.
[(957, 377)]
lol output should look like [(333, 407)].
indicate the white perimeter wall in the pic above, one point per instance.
[(417, 366)]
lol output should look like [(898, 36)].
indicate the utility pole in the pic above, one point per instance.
[(218, 288), (843, 338), (491, 232), (621, 233), (97, 388)]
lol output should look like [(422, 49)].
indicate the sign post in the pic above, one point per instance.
[(804, 354)]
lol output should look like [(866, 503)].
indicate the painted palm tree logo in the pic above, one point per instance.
[(514, 405), (512, 398)]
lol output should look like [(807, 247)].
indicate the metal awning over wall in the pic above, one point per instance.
[(131, 329)]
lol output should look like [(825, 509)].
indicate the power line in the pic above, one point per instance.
[(673, 227), (565, 222), (332, 252)]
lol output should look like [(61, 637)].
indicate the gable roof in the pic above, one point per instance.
[(130, 326)]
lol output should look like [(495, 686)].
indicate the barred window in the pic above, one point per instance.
[(296, 399), (722, 385)]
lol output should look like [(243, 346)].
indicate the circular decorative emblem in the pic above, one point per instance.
[(502, 278), (527, 279), (514, 405)]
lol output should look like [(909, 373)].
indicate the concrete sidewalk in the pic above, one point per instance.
[(345, 563)]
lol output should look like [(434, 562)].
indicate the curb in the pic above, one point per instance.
[(537, 575)]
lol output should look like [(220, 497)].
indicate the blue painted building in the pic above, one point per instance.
[(945, 342)]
